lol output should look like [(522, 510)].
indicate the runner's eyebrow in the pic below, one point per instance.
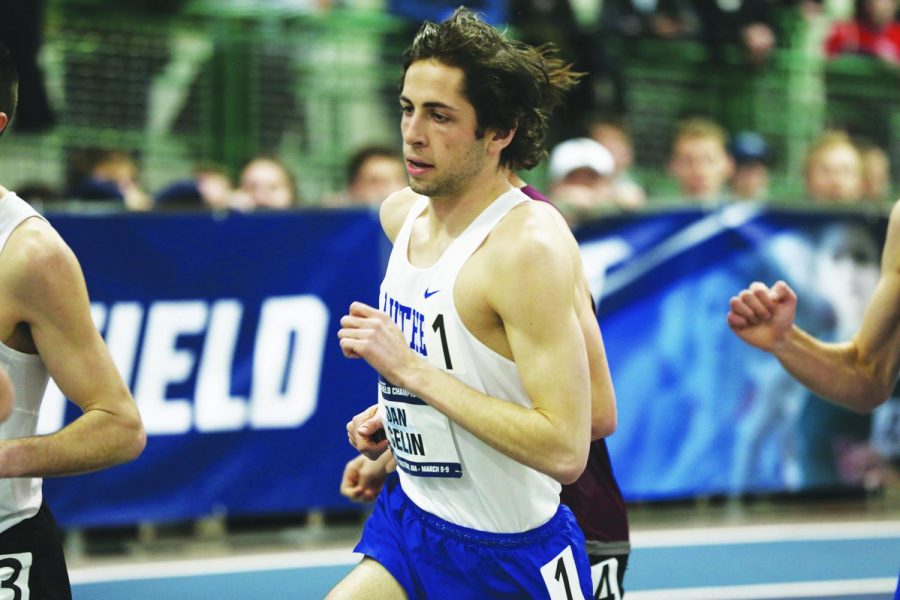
[(431, 104)]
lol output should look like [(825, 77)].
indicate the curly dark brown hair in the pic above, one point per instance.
[(510, 84)]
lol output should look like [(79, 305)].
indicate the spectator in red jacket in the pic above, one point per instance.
[(875, 31)]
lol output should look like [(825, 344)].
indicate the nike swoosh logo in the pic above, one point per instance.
[(430, 294)]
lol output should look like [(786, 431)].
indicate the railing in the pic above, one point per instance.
[(863, 97), (209, 83), (790, 100), (221, 81)]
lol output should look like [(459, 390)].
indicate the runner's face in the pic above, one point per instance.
[(443, 154)]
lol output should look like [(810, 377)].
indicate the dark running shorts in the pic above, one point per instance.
[(32, 564)]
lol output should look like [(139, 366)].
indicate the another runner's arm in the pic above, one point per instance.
[(532, 290), (603, 397), (51, 297), (604, 418), (859, 374)]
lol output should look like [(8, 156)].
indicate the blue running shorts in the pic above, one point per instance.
[(433, 558)]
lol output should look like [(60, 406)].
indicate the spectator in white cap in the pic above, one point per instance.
[(581, 172)]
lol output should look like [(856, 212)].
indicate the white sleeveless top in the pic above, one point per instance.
[(20, 497), (443, 468)]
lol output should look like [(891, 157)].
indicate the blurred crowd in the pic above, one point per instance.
[(592, 154), (588, 176), (264, 182)]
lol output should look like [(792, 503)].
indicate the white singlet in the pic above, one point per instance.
[(443, 468), (20, 497)]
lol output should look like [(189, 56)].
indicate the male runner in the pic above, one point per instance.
[(486, 385), (46, 330)]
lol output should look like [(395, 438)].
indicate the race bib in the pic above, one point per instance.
[(605, 580), (420, 436), (14, 571), (561, 577)]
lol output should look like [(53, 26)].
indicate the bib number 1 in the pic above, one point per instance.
[(439, 328), (561, 577)]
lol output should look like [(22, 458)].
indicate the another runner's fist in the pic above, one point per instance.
[(762, 316)]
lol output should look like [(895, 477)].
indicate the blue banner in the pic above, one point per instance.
[(701, 413), (225, 330)]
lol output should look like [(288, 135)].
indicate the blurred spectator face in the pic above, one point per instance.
[(584, 184), (701, 165), (580, 171), (586, 177), (581, 192), (266, 184), (378, 178), (759, 40), (750, 151), (616, 140), (834, 173), (876, 174), (215, 189), (880, 12), (751, 181), (120, 169)]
